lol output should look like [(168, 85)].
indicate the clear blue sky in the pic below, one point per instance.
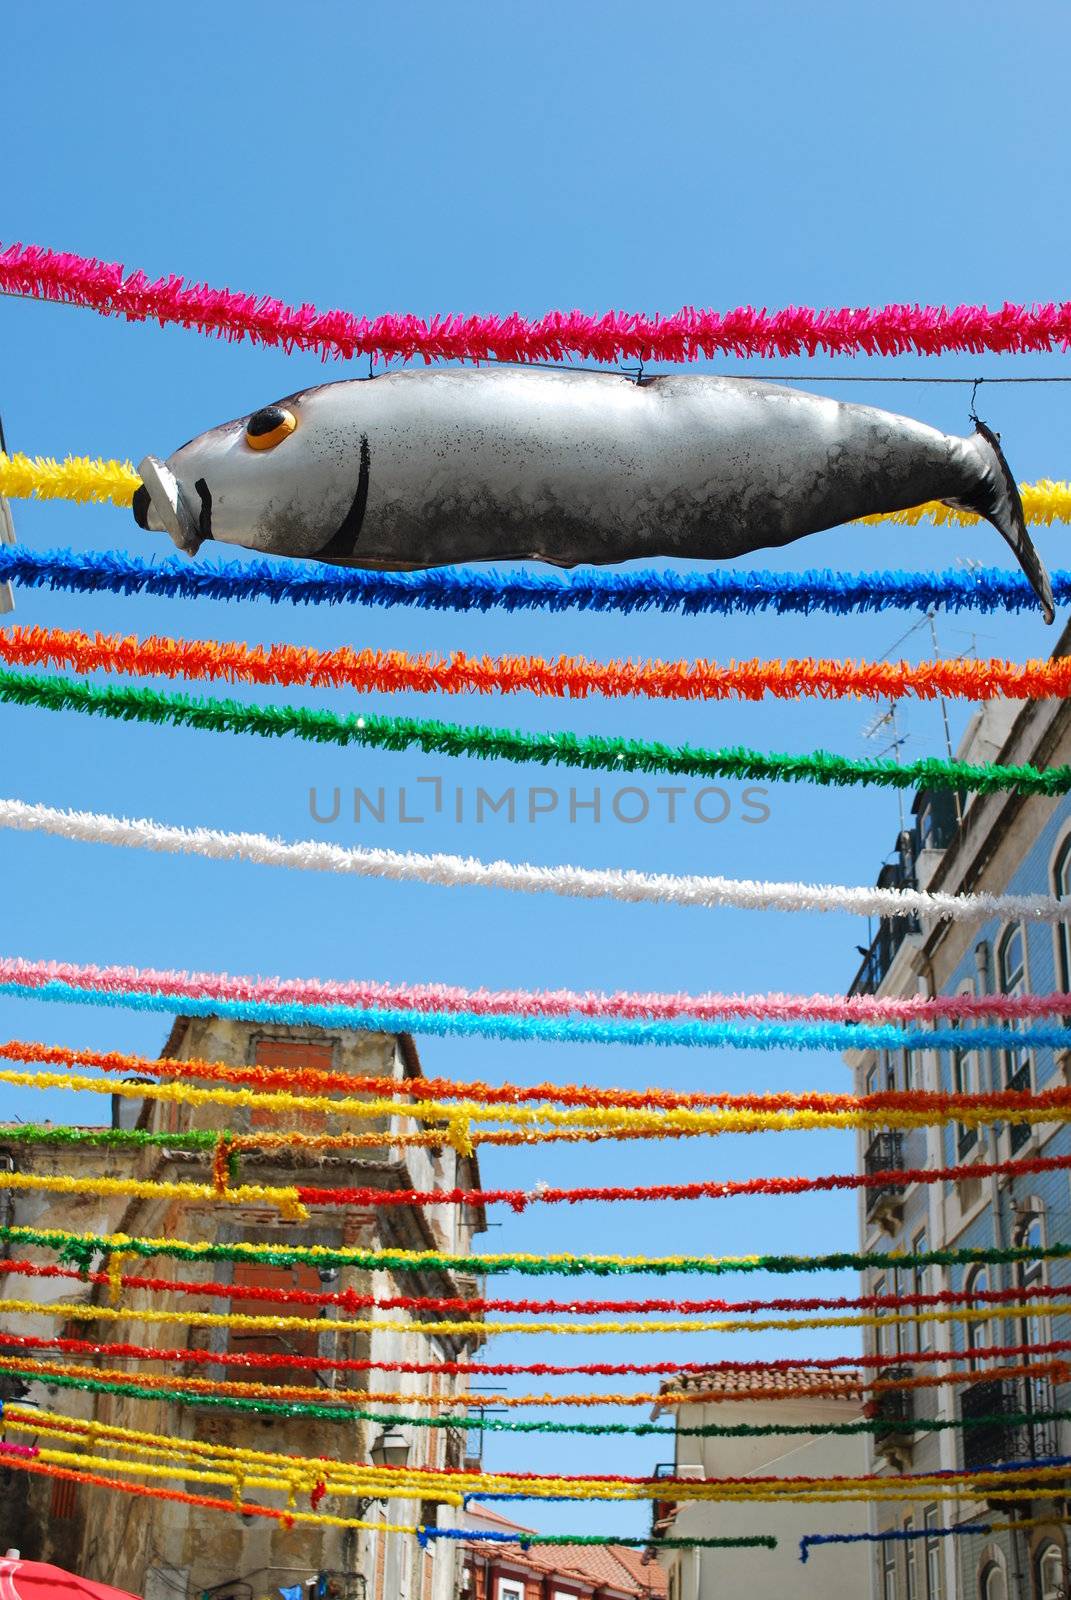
[(428, 158)]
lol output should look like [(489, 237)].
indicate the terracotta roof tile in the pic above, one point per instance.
[(600, 1566), (790, 1382)]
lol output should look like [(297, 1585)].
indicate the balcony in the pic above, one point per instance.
[(892, 931), (663, 1512), (986, 1444), (894, 1412), (1019, 1132), (966, 1139), (884, 1202), (998, 1439)]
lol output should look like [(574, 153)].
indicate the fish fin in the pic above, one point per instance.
[(998, 501)]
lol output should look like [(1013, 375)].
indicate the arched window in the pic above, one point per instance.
[(992, 1584), (1029, 1277), (1049, 1571), (1061, 885), (976, 1284), (1011, 970)]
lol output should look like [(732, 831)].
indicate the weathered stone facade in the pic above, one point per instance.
[(165, 1550)]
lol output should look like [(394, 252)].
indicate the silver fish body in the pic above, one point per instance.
[(425, 469)]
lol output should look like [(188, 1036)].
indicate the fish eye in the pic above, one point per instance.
[(268, 427)]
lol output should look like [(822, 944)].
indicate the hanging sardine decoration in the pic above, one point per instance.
[(427, 469)]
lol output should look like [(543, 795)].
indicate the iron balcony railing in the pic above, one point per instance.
[(999, 1437), (989, 1442), (893, 1410), (892, 931), (884, 1153), (966, 1139)]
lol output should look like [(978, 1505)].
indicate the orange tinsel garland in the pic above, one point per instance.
[(566, 677)]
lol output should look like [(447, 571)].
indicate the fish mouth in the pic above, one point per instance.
[(160, 505), (342, 544)]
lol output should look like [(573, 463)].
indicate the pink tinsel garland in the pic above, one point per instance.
[(525, 1002), (616, 335)]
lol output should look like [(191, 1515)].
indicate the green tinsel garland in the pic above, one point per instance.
[(82, 1251), (592, 753), (482, 1424), (116, 1138)]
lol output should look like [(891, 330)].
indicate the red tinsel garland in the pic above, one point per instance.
[(312, 1079), (519, 1199), (350, 1300), (685, 335), (250, 1360)]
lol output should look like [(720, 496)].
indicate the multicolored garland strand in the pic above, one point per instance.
[(837, 1383), (82, 1248), (694, 1033), (845, 1386), (116, 1281), (480, 1327), (479, 1422), (439, 1098), (291, 1199), (686, 335), (590, 753), (86, 480), (371, 671), (401, 1482), (718, 592), (535, 1541), (628, 1005), (233, 1506), (907, 1535), (582, 883), (461, 1124)]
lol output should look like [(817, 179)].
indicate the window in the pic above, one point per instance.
[(921, 1285), (873, 1084), (1061, 883), (1050, 1572), (910, 1578), (976, 1284), (291, 1055), (888, 1572), (992, 1584), (1029, 1277), (252, 1276), (964, 1075), (909, 1071), (508, 1590), (64, 1499), (933, 1554), (1011, 968), (882, 1345), (1012, 971)]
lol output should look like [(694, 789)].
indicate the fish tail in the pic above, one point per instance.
[(997, 499)]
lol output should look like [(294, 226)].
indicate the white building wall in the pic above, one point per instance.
[(834, 1573)]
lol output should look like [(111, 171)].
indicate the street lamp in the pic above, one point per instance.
[(391, 1449)]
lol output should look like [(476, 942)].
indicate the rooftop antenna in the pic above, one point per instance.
[(930, 618), (886, 720)]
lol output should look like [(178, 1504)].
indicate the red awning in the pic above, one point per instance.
[(36, 1580)]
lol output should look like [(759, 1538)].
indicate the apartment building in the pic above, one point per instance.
[(1000, 843), (796, 1397)]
